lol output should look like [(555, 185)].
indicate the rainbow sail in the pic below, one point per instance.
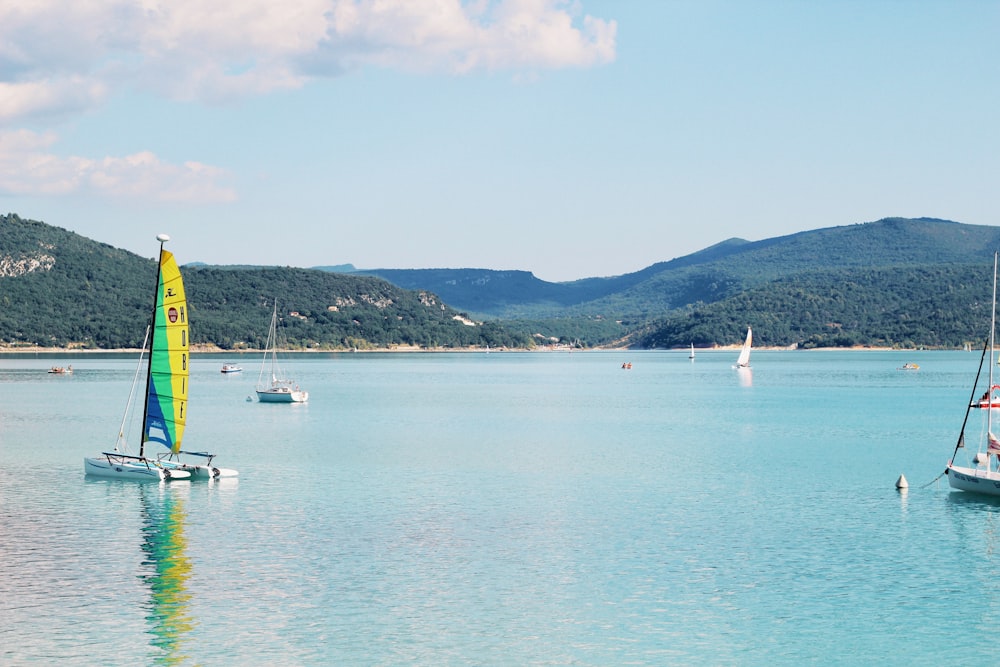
[(166, 394)]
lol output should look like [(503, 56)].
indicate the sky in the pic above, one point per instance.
[(571, 139)]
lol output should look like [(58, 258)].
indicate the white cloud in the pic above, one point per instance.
[(62, 57), (49, 97), (28, 168)]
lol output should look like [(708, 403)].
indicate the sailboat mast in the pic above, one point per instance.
[(162, 238), (993, 328)]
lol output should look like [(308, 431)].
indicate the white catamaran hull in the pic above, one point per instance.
[(204, 472), (977, 480), (103, 467)]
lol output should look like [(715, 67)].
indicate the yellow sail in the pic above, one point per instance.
[(166, 398)]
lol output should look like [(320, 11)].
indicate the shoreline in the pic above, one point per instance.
[(410, 349)]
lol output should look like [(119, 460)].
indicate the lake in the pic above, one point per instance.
[(505, 508)]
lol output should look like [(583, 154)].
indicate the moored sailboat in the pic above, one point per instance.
[(278, 388), (981, 473)]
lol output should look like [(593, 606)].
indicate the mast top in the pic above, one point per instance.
[(162, 238)]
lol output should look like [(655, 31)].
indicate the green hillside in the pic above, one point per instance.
[(905, 307), (59, 289), (895, 282), (710, 275)]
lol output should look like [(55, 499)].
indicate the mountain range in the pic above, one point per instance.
[(707, 276), (894, 282)]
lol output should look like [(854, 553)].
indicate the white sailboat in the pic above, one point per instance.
[(276, 388), (743, 361), (165, 406), (691, 355), (981, 473)]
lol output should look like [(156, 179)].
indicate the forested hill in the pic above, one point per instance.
[(894, 282), (60, 289), (708, 276)]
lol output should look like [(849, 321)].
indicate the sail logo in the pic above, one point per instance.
[(172, 315)]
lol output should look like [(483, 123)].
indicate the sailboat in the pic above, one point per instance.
[(165, 400), (691, 355), (981, 474), (278, 389), (166, 385), (744, 359)]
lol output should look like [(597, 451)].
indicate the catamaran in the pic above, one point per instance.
[(277, 389), (743, 361), (165, 406), (981, 473)]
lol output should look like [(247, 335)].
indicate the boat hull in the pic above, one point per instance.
[(208, 472), (974, 480), (102, 467), (282, 396)]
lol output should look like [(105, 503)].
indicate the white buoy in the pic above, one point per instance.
[(901, 483)]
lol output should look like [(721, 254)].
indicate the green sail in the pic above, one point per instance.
[(166, 400)]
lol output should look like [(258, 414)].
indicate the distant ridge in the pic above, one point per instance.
[(708, 275)]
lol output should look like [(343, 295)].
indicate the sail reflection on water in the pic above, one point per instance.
[(166, 569)]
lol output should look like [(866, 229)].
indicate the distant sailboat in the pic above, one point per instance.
[(691, 355), (744, 359)]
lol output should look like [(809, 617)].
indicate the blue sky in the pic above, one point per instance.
[(570, 139)]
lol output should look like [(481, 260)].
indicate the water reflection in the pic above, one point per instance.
[(166, 569), (746, 376)]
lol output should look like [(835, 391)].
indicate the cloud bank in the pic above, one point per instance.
[(59, 58), (28, 167)]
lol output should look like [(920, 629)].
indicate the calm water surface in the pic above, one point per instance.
[(505, 508)]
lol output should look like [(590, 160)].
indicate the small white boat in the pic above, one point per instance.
[(60, 370), (909, 367), (278, 388), (981, 470), (231, 368), (743, 361)]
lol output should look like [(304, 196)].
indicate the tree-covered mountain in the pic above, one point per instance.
[(896, 282), (906, 307), (711, 275), (59, 289)]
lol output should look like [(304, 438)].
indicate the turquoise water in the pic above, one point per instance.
[(505, 508)]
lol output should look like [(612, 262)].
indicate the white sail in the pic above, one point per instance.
[(744, 359)]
